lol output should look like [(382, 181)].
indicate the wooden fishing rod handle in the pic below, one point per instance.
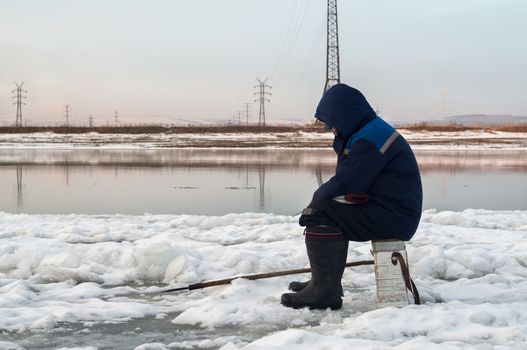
[(196, 286), (258, 276), (202, 285)]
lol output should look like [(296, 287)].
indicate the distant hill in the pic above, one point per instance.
[(486, 119)]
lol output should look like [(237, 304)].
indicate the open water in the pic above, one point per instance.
[(221, 181)]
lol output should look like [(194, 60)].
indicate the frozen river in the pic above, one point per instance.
[(90, 279), (216, 182)]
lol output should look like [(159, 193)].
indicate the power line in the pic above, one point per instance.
[(116, 116), (292, 88), (285, 38), (293, 39), (19, 102), (90, 121), (262, 98)]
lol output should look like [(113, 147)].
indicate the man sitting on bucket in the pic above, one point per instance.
[(375, 194)]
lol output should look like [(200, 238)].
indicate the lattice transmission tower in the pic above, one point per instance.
[(247, 110), (332, 56), (262, 98), (67, 113), (19, 97)]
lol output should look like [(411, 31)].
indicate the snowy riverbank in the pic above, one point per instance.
[(81, 275), (461, 140)]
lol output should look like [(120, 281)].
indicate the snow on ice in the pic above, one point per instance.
[(470, 268), (469, 140)]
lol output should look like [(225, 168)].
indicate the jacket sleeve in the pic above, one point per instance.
[(354, 174)]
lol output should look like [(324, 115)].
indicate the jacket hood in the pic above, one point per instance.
[(344, 108)]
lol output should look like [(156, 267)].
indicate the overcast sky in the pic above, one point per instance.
[(199, 59)]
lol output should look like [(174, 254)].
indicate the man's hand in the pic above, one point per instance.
[(307, 214)]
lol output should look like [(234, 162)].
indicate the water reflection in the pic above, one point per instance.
[(453, 162), (19, 187), (261, 178), (320, 159), (168, 157), (215, 182)]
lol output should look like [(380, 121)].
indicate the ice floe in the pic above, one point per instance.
[(60, 270)]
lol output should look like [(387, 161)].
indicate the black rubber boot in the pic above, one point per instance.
[(327, 249), (297, 286)]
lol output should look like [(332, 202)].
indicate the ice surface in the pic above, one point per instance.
[(470, 268), (151, 141), (470, 140)]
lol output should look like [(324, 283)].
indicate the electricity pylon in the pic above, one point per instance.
[(332, 47), (262, 98), (247, 107), (19, 102), (67, 110)]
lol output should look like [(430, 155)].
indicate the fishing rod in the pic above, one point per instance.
[(256, 276)]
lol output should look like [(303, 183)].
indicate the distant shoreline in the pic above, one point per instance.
[(461, 140), (255, 129)]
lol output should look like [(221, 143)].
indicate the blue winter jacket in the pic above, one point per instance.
[(373, 161)]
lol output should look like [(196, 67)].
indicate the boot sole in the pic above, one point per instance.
[(333, 306), (296, 290)]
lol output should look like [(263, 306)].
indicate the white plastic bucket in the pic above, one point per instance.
[(391, 289)]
